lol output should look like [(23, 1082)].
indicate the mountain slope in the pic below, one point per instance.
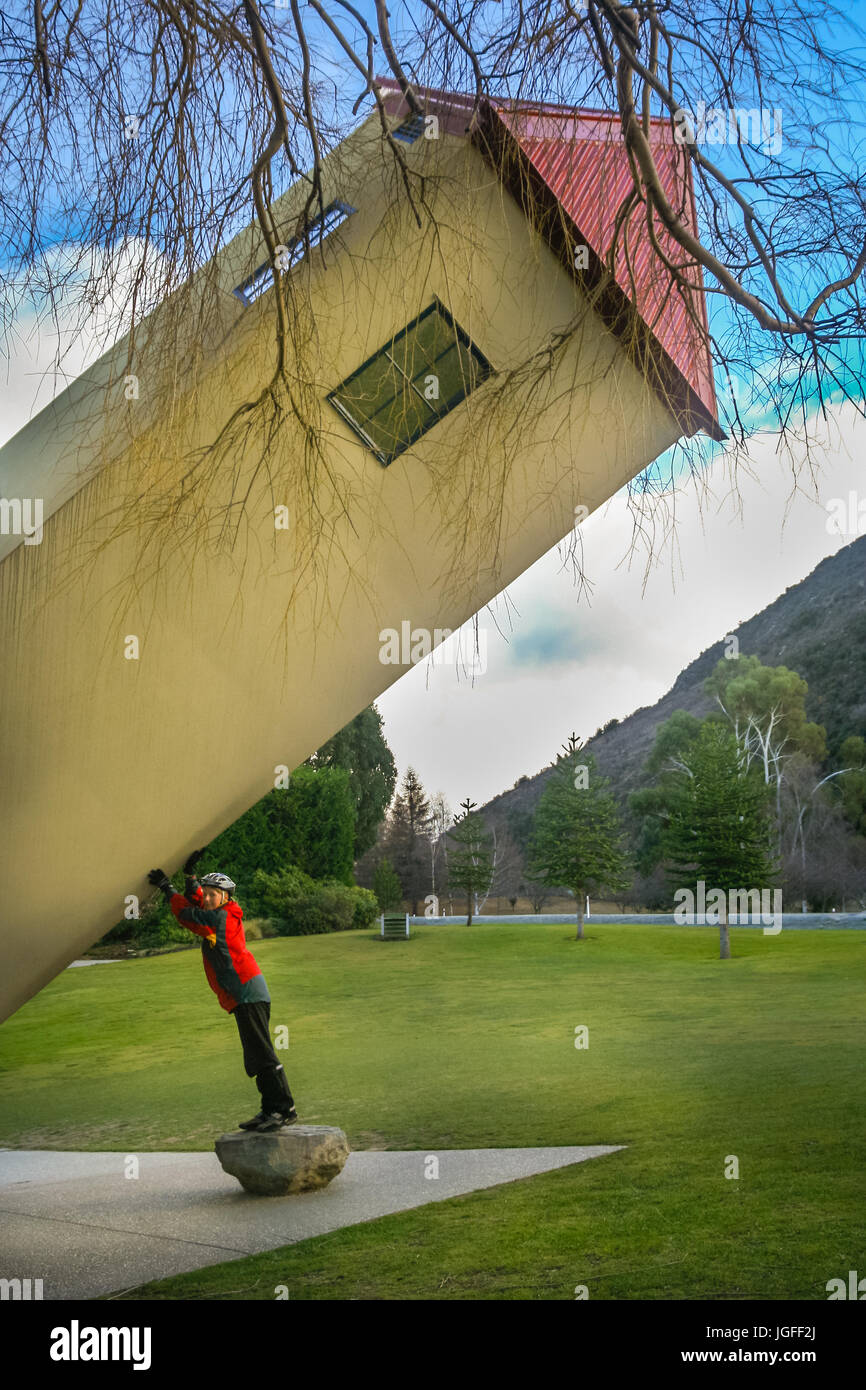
[(816, 628)]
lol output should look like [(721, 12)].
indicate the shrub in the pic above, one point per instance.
[(277, 891), (308, 919), (270, 926), (366, 908), (299, 906)]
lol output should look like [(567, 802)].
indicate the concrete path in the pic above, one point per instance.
[(77, 1223), (73, 964)]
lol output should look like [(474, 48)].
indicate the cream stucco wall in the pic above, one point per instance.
[(253, 651)]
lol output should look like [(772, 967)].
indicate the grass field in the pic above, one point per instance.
[(464, 1038)]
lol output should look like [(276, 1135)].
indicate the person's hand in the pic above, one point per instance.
[(160, 879), (189, 866), (211, 940)]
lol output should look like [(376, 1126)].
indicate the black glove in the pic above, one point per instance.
[(160, 879), (189, 866)]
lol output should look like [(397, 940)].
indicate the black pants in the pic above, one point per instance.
[(260, 1060)]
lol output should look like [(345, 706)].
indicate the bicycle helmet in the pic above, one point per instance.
[(218, 881)]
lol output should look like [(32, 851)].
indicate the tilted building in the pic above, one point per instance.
[(203, 606)]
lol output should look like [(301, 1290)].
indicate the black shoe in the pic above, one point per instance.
[(254, 1122), (277, 1119)]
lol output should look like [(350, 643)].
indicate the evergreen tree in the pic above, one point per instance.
[(387, 886), (314, 821), (470, 861), (651, 806), (249, 844), (577, 843), (852, 785), (406, 841), (361, 749), (720, 829)]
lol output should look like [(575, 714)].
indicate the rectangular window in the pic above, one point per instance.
[(427, 369), (410, 130), (296, 249)]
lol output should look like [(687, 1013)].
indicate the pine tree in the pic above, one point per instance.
[(470, 864), (361, 749), (577, 843), (387, 886), (406, 841), (721, 828)]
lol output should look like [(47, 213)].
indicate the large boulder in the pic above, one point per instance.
[(299, 1158)]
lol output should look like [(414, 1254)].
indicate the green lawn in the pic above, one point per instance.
[(464, 1038)]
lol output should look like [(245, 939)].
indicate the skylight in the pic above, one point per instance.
[(410, 130), (320, 228)]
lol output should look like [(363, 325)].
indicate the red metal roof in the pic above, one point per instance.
[(580, 157)]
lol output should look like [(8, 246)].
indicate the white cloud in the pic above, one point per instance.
[(58, 332), (572, 662)]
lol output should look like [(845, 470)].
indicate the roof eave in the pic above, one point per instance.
[(479, 117), (503, 152)]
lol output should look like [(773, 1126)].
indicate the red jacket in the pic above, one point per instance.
[(231, 968)]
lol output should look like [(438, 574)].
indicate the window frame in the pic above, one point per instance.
[(408, 131), (455, 399), (297, 244)]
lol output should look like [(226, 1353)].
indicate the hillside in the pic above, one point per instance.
[(816, 628)]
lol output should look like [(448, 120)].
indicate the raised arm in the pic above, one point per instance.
[(192, 888), (204, 922)]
